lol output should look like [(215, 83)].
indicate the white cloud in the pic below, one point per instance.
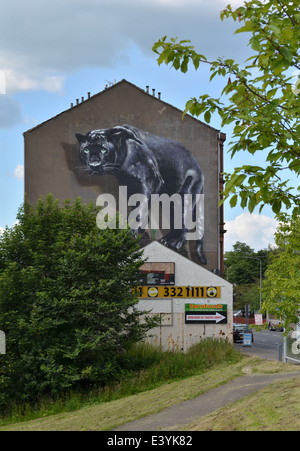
[(216, 3), (53, 83), (42, 41), (253, 229), (26, 80), (19, 172)]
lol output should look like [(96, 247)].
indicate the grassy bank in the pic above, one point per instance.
[(274, 408), (144, 368), (109, 415)]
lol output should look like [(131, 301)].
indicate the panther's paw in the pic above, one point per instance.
[(174, 239)]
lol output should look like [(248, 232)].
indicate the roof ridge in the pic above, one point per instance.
[(107, 88)]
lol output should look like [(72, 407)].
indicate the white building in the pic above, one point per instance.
[(195, 306)]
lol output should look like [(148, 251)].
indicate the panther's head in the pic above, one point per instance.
[(97, 152), (104, 151)]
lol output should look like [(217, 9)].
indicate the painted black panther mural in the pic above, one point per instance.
[(150, 165)]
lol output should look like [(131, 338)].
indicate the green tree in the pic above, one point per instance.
[(66, 301), (281, 289), (239, 263), (261, 102), (244, 268), (247, 294)]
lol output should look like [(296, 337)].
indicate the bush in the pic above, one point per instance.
[(66, 301), (144, 367)]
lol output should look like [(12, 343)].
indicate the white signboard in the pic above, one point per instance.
[(258, 319), (247, 339)]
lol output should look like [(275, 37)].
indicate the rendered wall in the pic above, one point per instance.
[(57, 162)]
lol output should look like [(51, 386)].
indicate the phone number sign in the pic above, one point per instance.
[(178, 292)]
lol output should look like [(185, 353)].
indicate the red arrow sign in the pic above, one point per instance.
[(217, 317)]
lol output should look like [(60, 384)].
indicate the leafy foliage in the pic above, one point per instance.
[(281, 288), (66, 301), (242, 268), (262, 103)]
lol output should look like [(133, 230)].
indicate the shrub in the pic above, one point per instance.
[(66, 301)]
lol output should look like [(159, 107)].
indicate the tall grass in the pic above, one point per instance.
[(156, 367), (144, 367)]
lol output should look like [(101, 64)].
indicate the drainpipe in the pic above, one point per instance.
[(222, 138)]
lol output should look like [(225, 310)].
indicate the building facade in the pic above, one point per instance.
[(127, 150)]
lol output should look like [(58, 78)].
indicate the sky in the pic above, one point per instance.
[(53, 52)]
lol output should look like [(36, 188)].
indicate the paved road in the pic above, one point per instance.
[(265, 345)]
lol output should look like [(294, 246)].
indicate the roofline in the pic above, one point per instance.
[(112, 87), (197, 265)]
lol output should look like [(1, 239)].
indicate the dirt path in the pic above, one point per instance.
[(186, 412)]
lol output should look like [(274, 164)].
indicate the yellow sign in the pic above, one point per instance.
[(178, 292)]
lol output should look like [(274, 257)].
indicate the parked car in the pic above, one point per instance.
[(238, 332), (275, 327)]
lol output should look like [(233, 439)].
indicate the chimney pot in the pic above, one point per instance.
[(159, 94), (89, 95), (153, 92), (147, 89), (77, 101), (72, 105)]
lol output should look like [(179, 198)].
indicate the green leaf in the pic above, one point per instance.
[(207, 116), (176, 63), (189, 105), (275, 29), (287, 54), (244, 202), (233, 200), (252, 203), (276, 207), (255, 44), (246, 28), (184, 65), (231, 182), (213, 75), (236, 180), (271, 93)]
